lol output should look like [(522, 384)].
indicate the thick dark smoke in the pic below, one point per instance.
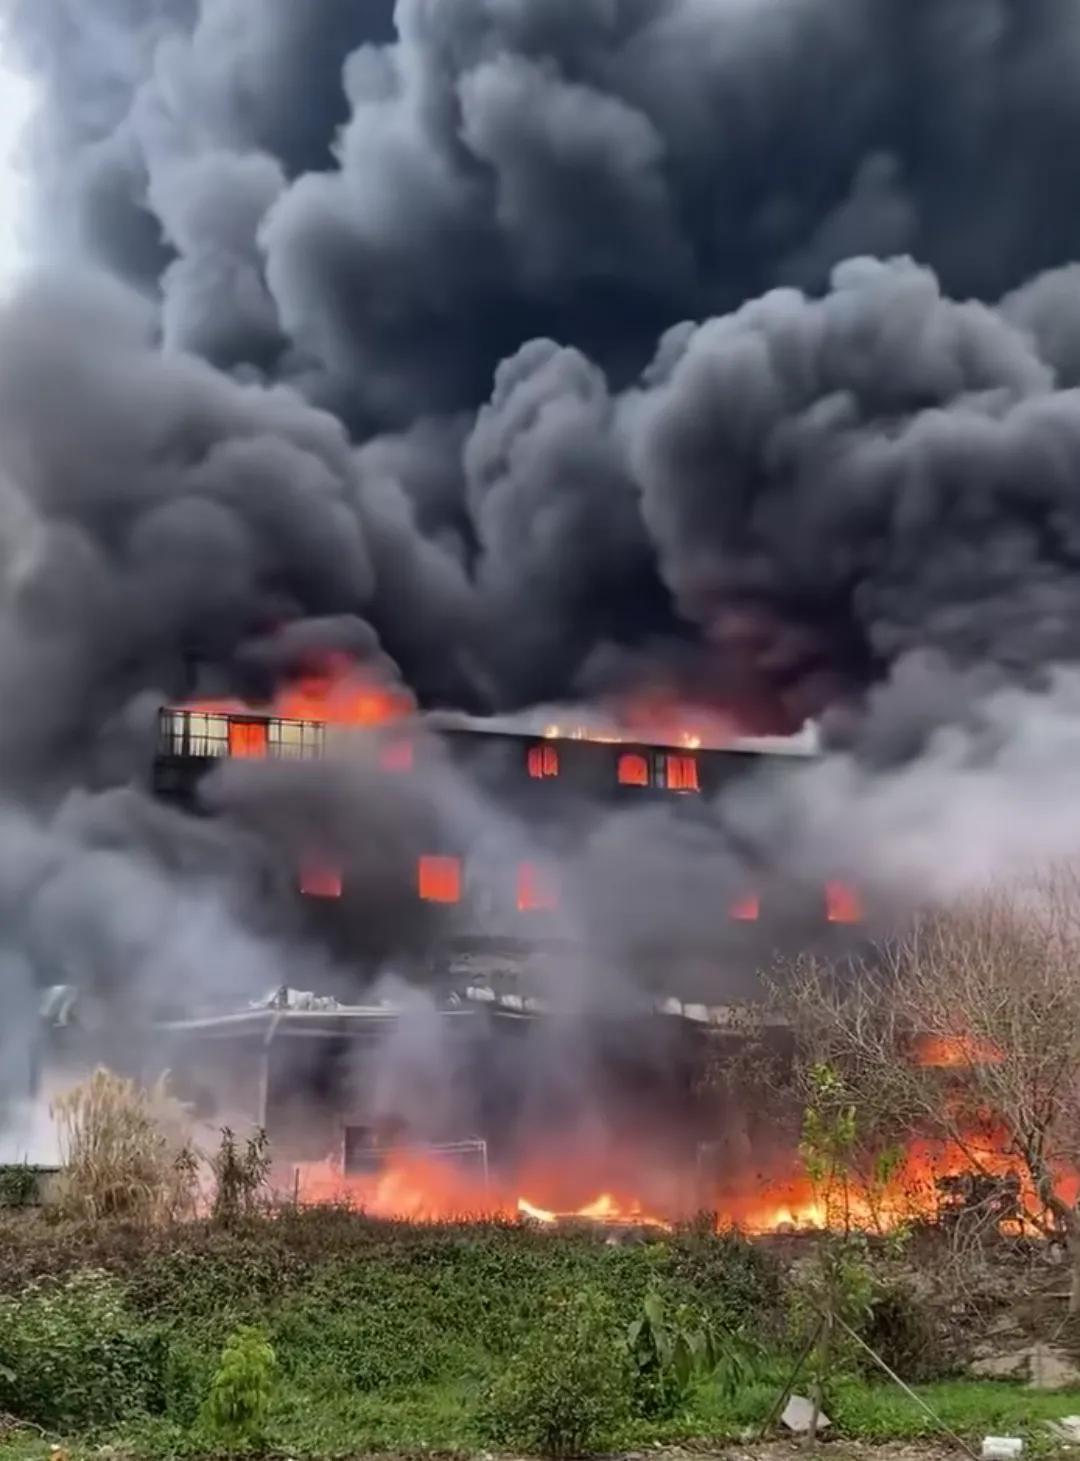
[(531, 351), (463, 228)]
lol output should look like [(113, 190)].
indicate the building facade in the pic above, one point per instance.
[(531, 864)]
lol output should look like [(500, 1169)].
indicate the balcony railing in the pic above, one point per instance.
[(204, 735)]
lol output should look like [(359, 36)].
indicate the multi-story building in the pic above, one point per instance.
[(501, 903), (527, 885)]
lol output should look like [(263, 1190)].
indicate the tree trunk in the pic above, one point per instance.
[(1068, 1219), (1072, 1248), (818, 1392)]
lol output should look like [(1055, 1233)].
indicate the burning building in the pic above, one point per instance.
[(497, 901), (560, 1058)]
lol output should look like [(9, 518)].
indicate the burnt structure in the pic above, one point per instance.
[(499, 910), (499, 1070), (345, 1082)]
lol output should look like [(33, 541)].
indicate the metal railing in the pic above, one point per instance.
[(204, 735), (358, 1160)]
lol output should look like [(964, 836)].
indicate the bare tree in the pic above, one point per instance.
[(965, 1028)]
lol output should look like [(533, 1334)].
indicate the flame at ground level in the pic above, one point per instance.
[(422, 1186)]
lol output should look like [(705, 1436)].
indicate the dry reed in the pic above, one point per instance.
[(125, 1151)]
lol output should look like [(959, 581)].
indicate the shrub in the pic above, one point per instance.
[(738, 1280), (241, 1391), (567, 1390), (19, 1184), (240, 1177), (72, 1354), (665, 1357), (189, 1367), (908, 1336), (124, 1151), (674, 1350)]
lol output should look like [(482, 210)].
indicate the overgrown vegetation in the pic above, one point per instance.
[(674, 1352), (239, 1176), (125, 1150), (72, 1353), (323, 1333), (566, 1388), (965, 1029), (833, 1293), (384, 1336), (20, 1184)]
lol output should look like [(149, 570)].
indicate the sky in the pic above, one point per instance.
[(15, 102)]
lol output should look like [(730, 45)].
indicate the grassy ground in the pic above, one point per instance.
[(440, 1419), (388, 1338)]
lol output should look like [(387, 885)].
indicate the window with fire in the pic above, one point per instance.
[(203, 735), (438, 878), (210, 734), (321, 878), (537, 886), (842, 905), (542, 761), (668, 771)]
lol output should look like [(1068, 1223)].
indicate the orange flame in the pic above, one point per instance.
[(338, 692), (438, 879), (320, 879), (682, 773), (602, 1209), (422, 1186), (633, 770), (842, 903), (954, 1052), (746, 908), (537, 888)]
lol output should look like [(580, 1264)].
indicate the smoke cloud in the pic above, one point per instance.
[(477, 235), (533, 351)]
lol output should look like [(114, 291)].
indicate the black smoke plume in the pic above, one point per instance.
[(571, 278)]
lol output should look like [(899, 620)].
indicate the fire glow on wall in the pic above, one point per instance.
[(320, 879), (543, 762), (745, 909), (537, 889), (248, 739), (842, 904), (682, 773), (439, 879), (633, 770), (397, 756)]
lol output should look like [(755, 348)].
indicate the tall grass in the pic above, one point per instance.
[(125, 1151)]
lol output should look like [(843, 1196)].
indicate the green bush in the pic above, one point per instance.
[(238, 1405), (666, 1356), (567, 1390), (189, 1367), (906, 1334), (737, 1280), (20, 1184), (71, 1353), (675, 1350)]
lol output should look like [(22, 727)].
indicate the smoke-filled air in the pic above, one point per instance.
[(668, 372)]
